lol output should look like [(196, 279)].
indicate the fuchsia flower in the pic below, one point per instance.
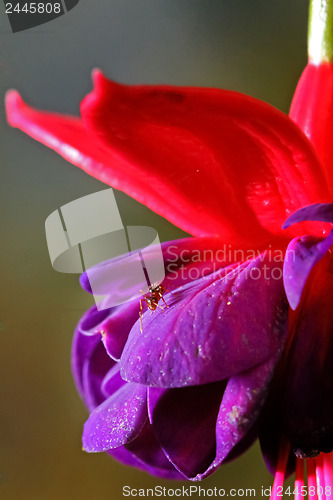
[(188, 393)]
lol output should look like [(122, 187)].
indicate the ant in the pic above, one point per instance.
[(152, 299)]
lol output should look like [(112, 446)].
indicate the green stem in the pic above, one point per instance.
[(320, 35)]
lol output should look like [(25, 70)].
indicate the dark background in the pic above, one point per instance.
[(257, 47)]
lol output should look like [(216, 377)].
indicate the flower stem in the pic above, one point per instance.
[(320, 34)]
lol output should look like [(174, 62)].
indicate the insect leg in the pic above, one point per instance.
[(140, 314), (166, 305)]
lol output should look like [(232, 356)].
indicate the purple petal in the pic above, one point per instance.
[(94, 371), (301, 256), (82, 348), (184, 421), (300, 403), (243, 445), (213, 329), (116, 421), (117, 326), (85, 283), (199, 427), (115, 323), (90, 362), (321, 212), (90, 322), (112, 381), (126, 457), (147, 449), (242, 402)]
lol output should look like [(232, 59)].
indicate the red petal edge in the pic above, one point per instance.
[(212, 162), (312, 110)]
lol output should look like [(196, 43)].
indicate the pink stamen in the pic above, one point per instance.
[(277, 488), (328, 473), (312, 483), (320, 477), (299, 479)]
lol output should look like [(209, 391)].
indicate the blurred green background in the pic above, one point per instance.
[(257, 47)]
